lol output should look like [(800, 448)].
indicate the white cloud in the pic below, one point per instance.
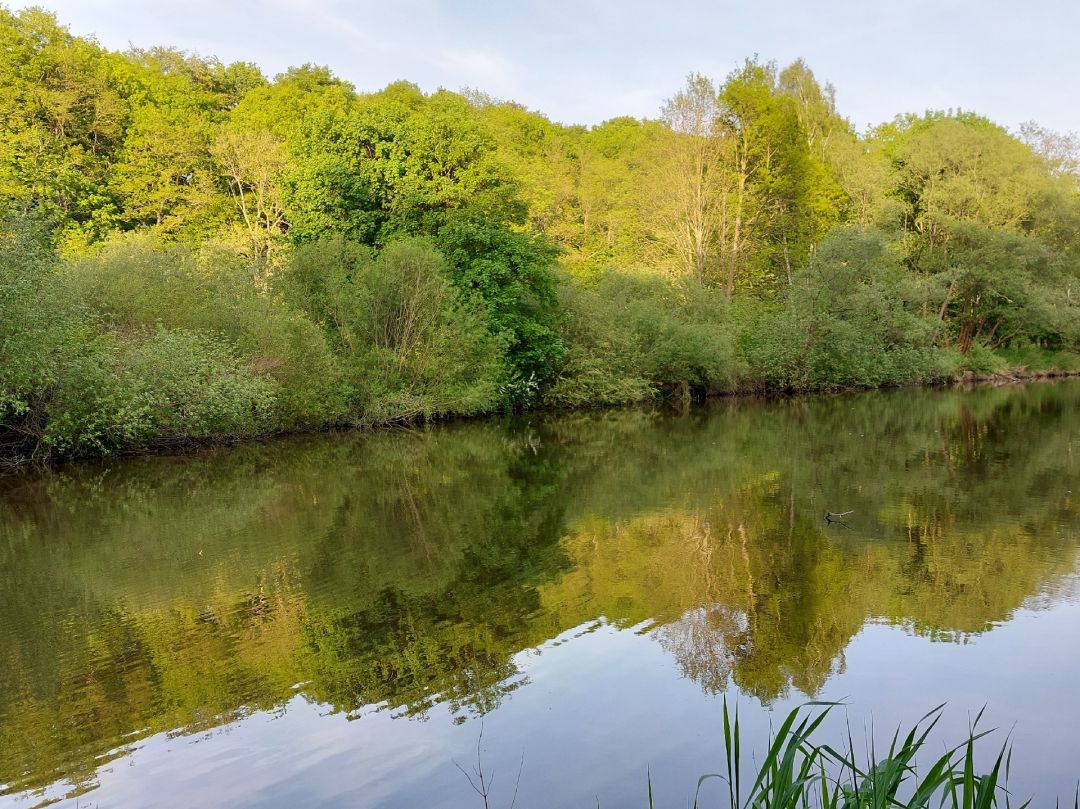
[(587, 60), (485, 70)]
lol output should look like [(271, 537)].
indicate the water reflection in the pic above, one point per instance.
[(406, 571)]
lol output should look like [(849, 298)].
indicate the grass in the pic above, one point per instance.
[(1035, 360), (799, 773)]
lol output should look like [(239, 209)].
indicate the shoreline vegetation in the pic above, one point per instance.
[(798, 772), (14, 460), (193, 253)]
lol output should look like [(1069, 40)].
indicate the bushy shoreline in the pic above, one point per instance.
[(145, 346), (191, 252)]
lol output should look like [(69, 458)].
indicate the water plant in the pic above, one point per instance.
[(796, 772)]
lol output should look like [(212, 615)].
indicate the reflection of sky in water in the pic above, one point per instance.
[(601, 706), (421, 569)]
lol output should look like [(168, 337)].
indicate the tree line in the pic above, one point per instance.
[(192, 250)]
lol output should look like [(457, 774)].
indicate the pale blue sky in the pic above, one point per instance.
[(585, 61)]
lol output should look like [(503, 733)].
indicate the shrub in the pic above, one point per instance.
[(632, 336), (39, 324), (136, 282), (160, 387), (410, 343), (852, 318), (1031, 357), (601, 362), (982, 361), (512, 273)]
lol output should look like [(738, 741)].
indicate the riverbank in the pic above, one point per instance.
[(303, 255), (147, 345), (1057, 366)]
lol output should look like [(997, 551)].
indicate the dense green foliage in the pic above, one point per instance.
[(158, 204), (408, 342)]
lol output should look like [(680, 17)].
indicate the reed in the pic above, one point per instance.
[(797, 772)]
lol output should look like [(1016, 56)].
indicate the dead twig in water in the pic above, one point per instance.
[(485, 781)]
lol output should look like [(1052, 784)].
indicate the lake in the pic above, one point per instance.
[(342, 620)]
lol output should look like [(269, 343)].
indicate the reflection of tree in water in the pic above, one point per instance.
[(770, 612), (405, 570), (727, 602), (960, 509), (704, 641), (394, 577)]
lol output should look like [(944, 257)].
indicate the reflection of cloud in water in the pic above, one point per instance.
[(1065, 590)]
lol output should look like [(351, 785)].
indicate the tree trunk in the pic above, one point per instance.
[(967, 332)]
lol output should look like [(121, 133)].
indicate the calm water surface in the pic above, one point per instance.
[(335, 620)]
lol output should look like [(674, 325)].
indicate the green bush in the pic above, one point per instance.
[(155, 388), (632, 336), (411, 345), (601, 362), (983, 361), (512, 273), (1034, 358), (39, 323), (136, 282), (852, 318)]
